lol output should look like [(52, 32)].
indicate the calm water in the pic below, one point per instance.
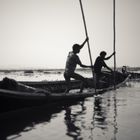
[(113, 115)]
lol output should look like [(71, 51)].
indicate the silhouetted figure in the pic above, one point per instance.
[(124, 71), (71, 63), (99, 63)]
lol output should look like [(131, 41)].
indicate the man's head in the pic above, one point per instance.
[(76, 48), (103, 54)]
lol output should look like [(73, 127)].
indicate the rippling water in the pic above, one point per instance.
[(113, 115), (39, 75)]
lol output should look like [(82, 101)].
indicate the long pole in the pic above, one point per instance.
[(84, 21), (114, 40)]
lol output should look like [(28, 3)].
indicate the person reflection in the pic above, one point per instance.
[(72, 129), (105, 115), (70, 121), (99, 113)]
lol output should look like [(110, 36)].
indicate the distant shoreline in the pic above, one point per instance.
[(59, 69)]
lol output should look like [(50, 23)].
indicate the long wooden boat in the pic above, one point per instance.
[(134, 75), (60, 86), (15, 95)]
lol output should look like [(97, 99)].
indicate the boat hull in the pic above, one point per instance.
[(38, 95)]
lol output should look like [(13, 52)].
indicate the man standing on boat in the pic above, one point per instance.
[(99, 63), (71, 63)]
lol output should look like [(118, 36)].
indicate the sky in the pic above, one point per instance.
[(40, 33)]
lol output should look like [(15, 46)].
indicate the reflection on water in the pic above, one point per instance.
[(12, 124), (104, 117), (70, 121), (113, 115), (99, 117)]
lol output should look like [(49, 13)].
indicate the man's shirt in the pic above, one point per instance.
[(99, 63), (71, 63)]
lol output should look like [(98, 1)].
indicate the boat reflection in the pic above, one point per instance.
[(85, 119), (11, 125), (14, 123)]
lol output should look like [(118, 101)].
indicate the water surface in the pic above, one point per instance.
[(113, 115)]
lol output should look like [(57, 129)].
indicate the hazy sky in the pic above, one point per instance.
[(40, 33)]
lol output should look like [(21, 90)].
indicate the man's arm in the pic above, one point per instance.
[(104, 65), (109, 56), (82, 65), (85, 66), (109, 68), (84, 42)]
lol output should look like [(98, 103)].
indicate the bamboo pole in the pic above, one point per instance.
[(86, 33), (114, 39)]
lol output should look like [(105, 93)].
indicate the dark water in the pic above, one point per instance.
[(113, 115)]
